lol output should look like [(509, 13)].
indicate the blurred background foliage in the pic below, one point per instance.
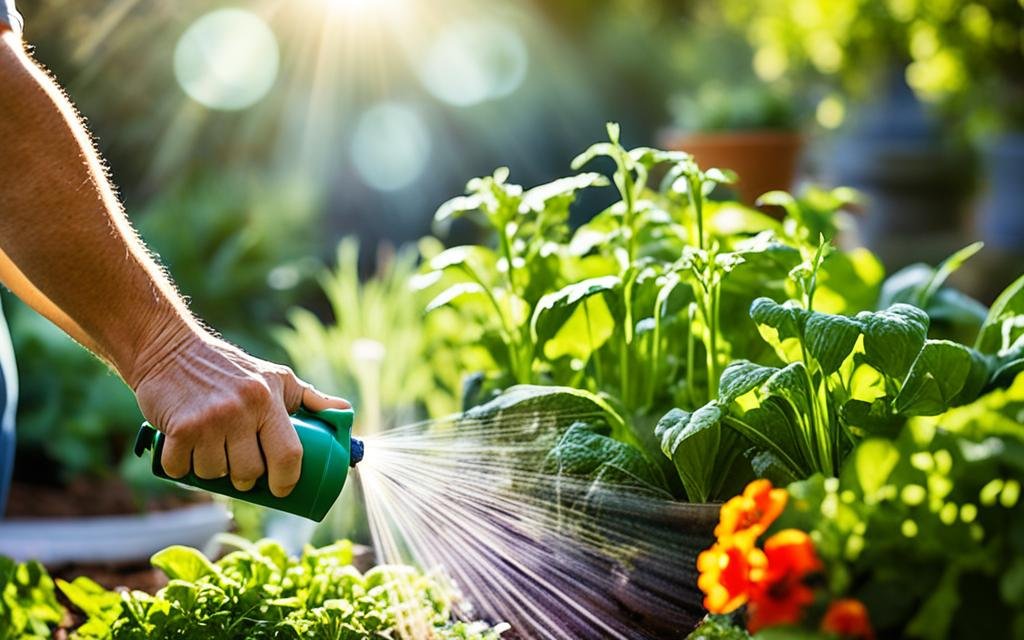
[(250, 138)]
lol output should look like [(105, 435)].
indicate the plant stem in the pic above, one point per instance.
[(759, 437), (714, 299), (521, 347), (697, 198), (691, 365)]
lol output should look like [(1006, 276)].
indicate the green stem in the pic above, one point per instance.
[(625, 357), (598, 374), (763, 440), (691, 360), (697, 198), (511, 336), (714, 299), (522, 346), (655, 376)]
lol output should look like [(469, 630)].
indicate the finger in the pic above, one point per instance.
[(314, 400), (245, 462), (176, 458), (283, 453), (210, 460)]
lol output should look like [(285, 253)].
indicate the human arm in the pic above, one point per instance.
[(69, 251)]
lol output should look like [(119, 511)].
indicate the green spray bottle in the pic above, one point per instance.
[(328, 450)]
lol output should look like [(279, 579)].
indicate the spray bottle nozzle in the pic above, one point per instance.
[(357, 449)]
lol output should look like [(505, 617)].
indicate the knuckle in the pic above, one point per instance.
[(189, 427), (289, 455), (251, 392)]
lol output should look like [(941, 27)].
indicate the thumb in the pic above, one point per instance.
[(314, 400), (299, 394)]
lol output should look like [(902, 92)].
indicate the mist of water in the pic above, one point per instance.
[(556, 556)]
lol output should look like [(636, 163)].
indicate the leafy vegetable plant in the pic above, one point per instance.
[(28, 603), (643, 305), (842, 378), (258, 591)]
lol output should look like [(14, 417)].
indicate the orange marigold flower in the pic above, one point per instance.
[(848, 618), (724, 578), (752, 512), (779, 593)]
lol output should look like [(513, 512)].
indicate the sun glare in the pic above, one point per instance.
[(227, 59), (390, 147)]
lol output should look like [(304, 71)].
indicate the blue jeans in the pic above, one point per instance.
[(8, 406)]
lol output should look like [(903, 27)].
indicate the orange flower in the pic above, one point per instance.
[(749, 514), (725, 575), (848, 618), (779, 593)]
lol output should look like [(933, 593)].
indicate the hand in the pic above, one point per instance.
[(220, 407)]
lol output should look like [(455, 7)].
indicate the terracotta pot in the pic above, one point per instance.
[(763, 160)]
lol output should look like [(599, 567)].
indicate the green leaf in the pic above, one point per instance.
[(791, 384), (476, 258), (893, 338), (874, 418), (1001, 328), (946, 269), (677, 425), (554, 309), (720, 176), (587, 329), (788, 318), (453, 293), (649, 157), (936, 377), (600, 231), (92, 599), (530, 401), (741, 377), (767, 464), (778, 198), (978, 380), (537, 198), (595, 150), (830, 339), (691, 441), (457, 207), (584, 452), (183, 563)]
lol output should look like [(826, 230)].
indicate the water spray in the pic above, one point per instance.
[(328, 452)]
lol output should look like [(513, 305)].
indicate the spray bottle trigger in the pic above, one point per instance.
[(340, 419), (144, 439)]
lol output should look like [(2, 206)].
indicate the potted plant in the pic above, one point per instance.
[(895, 148), (752, 130), (724, 114)]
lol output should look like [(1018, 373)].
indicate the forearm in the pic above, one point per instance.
[(71, 252)]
